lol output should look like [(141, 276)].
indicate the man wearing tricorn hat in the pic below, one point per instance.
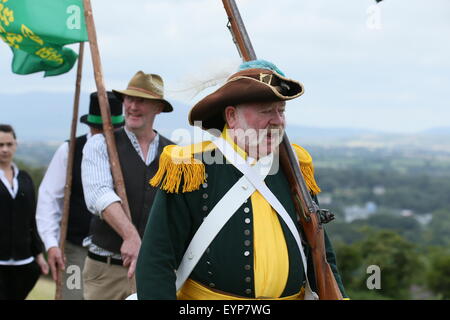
[(223, 218), (111, 261), (51, 200)]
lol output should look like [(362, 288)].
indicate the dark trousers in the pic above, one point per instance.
[(16, 282)]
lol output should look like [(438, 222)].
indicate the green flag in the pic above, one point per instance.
[(37, 30)]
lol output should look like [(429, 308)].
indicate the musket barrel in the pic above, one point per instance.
[(243, 42)]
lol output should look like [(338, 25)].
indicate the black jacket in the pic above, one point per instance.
[(18, 233), (79, 215)]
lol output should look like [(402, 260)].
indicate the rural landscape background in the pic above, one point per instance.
[(375, 113), (389, 192)]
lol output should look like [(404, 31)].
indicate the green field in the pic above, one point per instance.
[(43, 290)]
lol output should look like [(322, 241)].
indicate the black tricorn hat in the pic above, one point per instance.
[(94, 118)]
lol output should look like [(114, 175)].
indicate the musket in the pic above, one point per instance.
[(311, 217)]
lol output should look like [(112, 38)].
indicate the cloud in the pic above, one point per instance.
[(347, 69)]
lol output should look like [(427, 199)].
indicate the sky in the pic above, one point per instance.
[(382, 67)]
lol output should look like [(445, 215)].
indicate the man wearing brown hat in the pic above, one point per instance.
[(110, 265), (223, 219), (51, 199)]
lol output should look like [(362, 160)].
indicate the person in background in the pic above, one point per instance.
[(224, 218), (51, 200), (109, 268), (21, 257)]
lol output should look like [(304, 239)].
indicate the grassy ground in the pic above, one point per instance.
[(43, 290)]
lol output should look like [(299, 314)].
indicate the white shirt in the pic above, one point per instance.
[(12, 189), (50, 202), (98, 185)]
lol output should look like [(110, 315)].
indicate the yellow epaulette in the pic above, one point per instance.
[(178, 164), (306, 165)]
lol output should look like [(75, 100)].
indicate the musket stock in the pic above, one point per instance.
[(310, 220)]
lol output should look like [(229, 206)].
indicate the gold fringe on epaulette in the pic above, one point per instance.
[(308, 174), (307, 167), (174, 168)]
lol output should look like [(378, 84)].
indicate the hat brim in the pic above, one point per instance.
[(84, 119), (134, 93), (238, 90)]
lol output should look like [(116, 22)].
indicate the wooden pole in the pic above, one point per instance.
[(70, 159), (105, 110), (119, 183)]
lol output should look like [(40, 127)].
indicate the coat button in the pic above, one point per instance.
[(247, 220), (247, 232), (246, 210), (248, 279), (246, 253), (247, 243), (205, 185), (247, 267), (212, 285), (205, 208), (205, 196), (248, 291)]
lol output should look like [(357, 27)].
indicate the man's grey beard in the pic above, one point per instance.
[(255, 142)]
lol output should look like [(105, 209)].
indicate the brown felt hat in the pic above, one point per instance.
[(147, 86), (250, 85)]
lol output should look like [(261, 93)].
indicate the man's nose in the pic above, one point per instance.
[(131, 104), (277, 118)]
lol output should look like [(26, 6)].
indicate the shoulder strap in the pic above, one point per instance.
[(251, 174), (213, 223)]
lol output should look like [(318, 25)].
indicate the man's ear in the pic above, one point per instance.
[(160, 108), (230, 116)]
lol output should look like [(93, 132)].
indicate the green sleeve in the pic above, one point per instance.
[(331, 258), (165, 240)]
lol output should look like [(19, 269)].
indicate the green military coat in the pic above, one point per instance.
[(227, 265)]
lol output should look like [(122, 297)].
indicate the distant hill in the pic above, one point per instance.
[(438, 131), (49, 116), (436, 139), (45, 123), (36, 154)]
